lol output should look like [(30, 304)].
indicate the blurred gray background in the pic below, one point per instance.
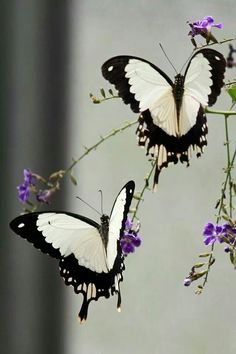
[(51, 56)]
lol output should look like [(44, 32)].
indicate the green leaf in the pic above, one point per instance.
[(225, 217), (132, 210), (137, 196), (217, 203), (232, 92), (199, 265), (199, 275), (57, 175), (204, 255), (232, 258), (234, 188), (73, 179)]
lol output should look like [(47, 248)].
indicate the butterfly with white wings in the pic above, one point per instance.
[(90, 255), (172, 121)]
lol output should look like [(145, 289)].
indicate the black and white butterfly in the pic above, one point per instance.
[(172, 121), (89, 254)]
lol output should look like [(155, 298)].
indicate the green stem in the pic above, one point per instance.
[(146, 185), (221, 42), (228, 165), (228, 180), (225, 113), (102, 139), (97, 100)]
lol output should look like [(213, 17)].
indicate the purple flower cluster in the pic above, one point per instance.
[(203, 28), (130, 239), (217, 233), (29, 186)]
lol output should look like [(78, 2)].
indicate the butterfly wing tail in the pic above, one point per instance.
[(166, 149)]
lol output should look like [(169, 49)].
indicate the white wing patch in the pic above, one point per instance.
[(197, 87), (72, 235), (198, 80), (153, 92), (115, 224), (188, 114)]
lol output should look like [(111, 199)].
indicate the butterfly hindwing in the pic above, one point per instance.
[(90, 284), (92, 266)]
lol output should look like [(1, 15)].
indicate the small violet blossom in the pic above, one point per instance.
[(217, 233), (25, 188), (187, 281), (130, 239), (30, 186), (203, 28), (44, 196)]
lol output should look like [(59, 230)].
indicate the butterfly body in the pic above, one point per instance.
[(178, 91), (104, 229), (89, 254), (172, 121)]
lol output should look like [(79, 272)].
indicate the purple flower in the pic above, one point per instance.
[(128, 224), (130, 239), (25, 188), (23, 192), (203, 27), (44, 196), (28, 176), (213, 233), (187, 281)]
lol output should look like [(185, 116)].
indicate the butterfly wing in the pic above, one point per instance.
[(202, 85), (117, 221), (75, 240), (145, 87)]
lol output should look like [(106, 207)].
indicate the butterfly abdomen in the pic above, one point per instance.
[(104, 229), (178, 91)]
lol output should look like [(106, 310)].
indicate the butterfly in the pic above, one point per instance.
[(172, 121), (89, 254)]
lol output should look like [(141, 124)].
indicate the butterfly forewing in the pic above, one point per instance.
[(118, 218), (70, 235), (214, 63)]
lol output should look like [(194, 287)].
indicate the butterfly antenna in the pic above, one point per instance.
[(88, 205), (168, 58), (186, 62), (100, 191)]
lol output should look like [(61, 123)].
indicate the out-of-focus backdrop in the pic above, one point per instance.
[(51, 54)]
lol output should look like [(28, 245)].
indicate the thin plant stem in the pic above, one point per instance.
[(102, 139), (220, 42), (225, 113), (145, 186), (228, 181)]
